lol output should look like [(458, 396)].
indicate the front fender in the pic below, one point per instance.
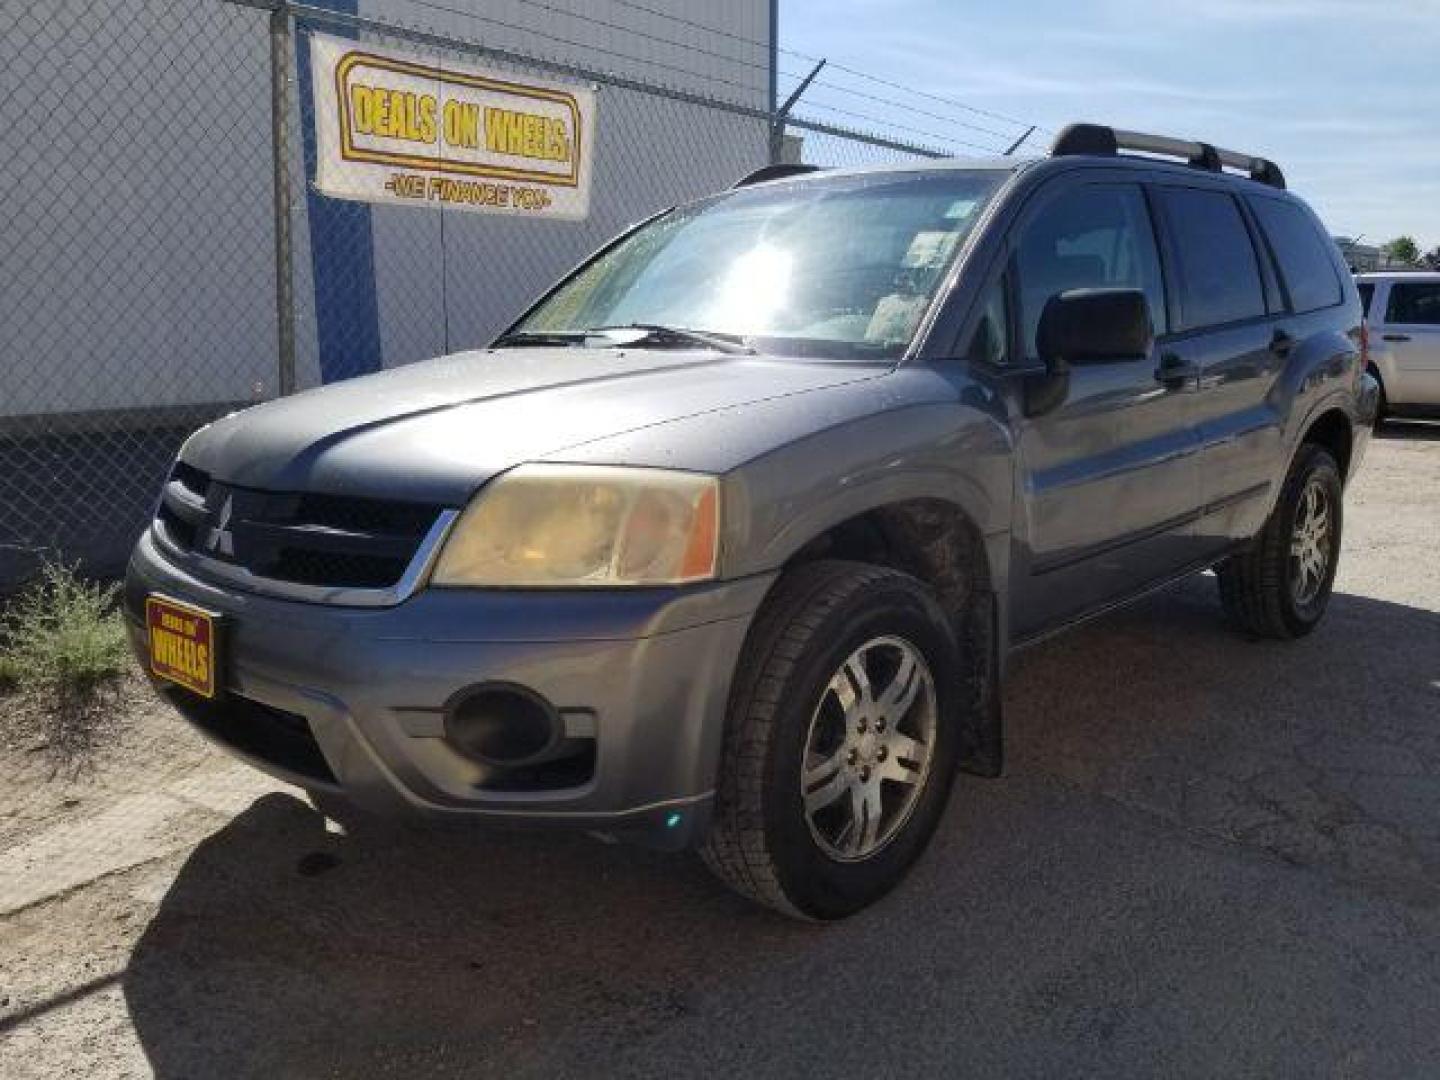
[(944, 451)]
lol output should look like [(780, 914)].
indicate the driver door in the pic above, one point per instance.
[(1108, 473)]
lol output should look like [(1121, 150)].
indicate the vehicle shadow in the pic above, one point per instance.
[(1140, 747)]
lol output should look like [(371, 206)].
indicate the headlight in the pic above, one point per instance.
[(566, 526)]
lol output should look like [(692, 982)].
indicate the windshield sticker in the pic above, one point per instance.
[(930, 249), (895, 318), (961, 209)]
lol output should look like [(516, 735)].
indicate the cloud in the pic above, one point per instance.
[(1293, 11), (1342, 93)]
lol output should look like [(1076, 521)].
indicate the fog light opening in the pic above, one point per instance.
[(501, 724)]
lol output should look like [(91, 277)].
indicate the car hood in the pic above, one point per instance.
[(435, 431)]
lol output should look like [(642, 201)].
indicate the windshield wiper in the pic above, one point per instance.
[(526, 338), (657, 332)]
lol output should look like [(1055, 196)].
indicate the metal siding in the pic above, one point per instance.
[(572, 30), (138, 261)]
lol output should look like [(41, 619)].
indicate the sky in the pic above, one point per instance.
[(1343, 95)]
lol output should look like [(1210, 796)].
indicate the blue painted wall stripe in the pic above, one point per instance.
[(342, 250)]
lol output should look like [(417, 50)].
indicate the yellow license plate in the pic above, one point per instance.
[(182, 644)]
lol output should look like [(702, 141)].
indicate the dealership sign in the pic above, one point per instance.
[(396, 128)]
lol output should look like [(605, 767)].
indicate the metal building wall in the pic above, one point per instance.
[(134, 135)]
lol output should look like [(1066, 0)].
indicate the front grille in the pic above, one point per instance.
[(303, 538)]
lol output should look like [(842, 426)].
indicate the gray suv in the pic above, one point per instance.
[(725, 542)]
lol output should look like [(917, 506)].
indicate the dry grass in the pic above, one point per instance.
[(63, 656)]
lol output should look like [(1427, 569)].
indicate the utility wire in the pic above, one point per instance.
[(925, 94), (660, 13), (701, 50), (729, 59)]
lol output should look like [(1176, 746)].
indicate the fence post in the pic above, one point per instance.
[(1016, 144), (777, 121), (280, 153)]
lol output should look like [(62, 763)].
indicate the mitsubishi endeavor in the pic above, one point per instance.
[(724, 543)]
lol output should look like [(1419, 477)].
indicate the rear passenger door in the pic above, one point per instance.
[(1225, 311), (1411, 334), (1107, 471)]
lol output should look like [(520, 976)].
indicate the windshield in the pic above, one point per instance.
[(835, 267)]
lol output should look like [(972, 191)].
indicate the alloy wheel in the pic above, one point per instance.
[(1310, 543), (868, 748)]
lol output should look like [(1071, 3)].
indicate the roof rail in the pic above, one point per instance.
[(1093, 139), (773, 172)]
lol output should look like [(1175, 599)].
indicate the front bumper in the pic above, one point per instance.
[(646, 671)]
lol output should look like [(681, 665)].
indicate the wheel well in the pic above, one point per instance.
[(1332, 431), (936, 542), (927, 538)]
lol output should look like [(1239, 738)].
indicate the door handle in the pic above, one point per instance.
[(1281, 343), (1395, 337), (1174, 371)]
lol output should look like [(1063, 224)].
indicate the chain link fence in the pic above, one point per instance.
[(144, 291)]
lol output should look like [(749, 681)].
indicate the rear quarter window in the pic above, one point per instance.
[(1302, 252), (1216, 267)]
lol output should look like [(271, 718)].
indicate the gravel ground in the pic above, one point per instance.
[(1209, 857)]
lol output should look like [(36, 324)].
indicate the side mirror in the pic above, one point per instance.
[(1094, 326)]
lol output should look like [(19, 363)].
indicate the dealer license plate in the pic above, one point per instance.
[(182, 644)]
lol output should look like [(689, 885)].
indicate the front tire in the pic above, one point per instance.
[(841, 741), (1280, 585)]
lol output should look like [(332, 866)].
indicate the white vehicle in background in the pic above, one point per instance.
[(1402, 311)]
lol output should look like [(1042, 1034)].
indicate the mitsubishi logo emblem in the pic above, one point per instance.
[(219, 540)]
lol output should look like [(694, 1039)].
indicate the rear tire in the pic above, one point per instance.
[(813, 741), (1280, 585)]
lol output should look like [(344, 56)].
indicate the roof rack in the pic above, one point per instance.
[(774, 172), (1093, 139)]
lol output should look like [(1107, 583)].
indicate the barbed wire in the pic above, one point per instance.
[(905, 105), (838, 66), (851, 114), (700, 50)]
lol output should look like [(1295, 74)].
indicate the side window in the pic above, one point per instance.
[(1367, 293), (1216, 264), (1302, 252), (1415, 303), (990, 342), (1094, 237)]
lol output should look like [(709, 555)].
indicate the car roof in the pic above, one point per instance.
[(1079, 144), (1178, 170), (1398, 275), (1076, 144), (923, 165)]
